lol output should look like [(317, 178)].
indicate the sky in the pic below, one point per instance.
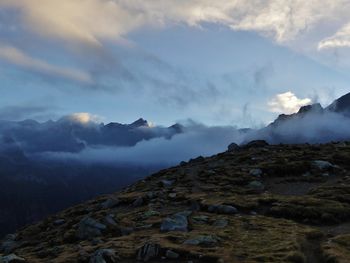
[(221, 62)]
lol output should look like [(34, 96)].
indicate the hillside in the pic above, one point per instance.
[(255, 203)]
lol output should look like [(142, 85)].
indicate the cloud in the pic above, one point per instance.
[(83, 118), (287, 103), (338, 40), (17, 57), (196, 140), (93, 21)]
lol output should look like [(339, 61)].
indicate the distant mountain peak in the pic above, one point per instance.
[(317, 108), (139, 123)]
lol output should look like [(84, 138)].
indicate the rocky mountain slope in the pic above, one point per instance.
[(254, 203)]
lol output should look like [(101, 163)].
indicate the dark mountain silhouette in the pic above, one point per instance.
[(341, 105)]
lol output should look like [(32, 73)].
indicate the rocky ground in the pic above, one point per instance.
[(255, 203)]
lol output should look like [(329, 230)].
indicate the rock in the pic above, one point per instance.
[(104, 256), (167, 183), (110, 220), (203, 240), (89, 228), (222, 209), (233, 147), (9, 244), (110, 203), (59, 222), (227, 209), (256, 144), (172, 195), (221, 223), (12, 258), (323, 165), (256, 185), (197, 160), (138, 202), (171, 254), (148, 251), (177, 222), (256, 172)]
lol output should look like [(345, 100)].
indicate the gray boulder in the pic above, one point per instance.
[(9, 244), (148, 251), (110, 203), (177, 222), (255, 172), (222, 209), (12, 258), (323, 165), (203, 240), (171, 254), (89, 228), (256, 185), (104, 256)]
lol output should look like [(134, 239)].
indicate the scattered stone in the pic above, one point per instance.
[(307, 174), (222, 209), (256, 185), (138, 202), (167, 183), (256, 172), (233, 147), (110, 203), (9, 244), (12, 258), (59, 222), (148, 251), (221, 223), (171, 254), (110, 220), (177, 222), (89, 228), (152, 195), (203, 240), (104, 256), (256, 144), (172, 195), (323, 165)]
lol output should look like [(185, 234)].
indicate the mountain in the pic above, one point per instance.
[(71, 134), (255, 203), (311, 124), (34, 186)]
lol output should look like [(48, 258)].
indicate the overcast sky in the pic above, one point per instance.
[(217, 62)]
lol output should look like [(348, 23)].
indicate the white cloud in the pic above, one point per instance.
[(94, 20), (17, 57), (287, 103), (339, 39)]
